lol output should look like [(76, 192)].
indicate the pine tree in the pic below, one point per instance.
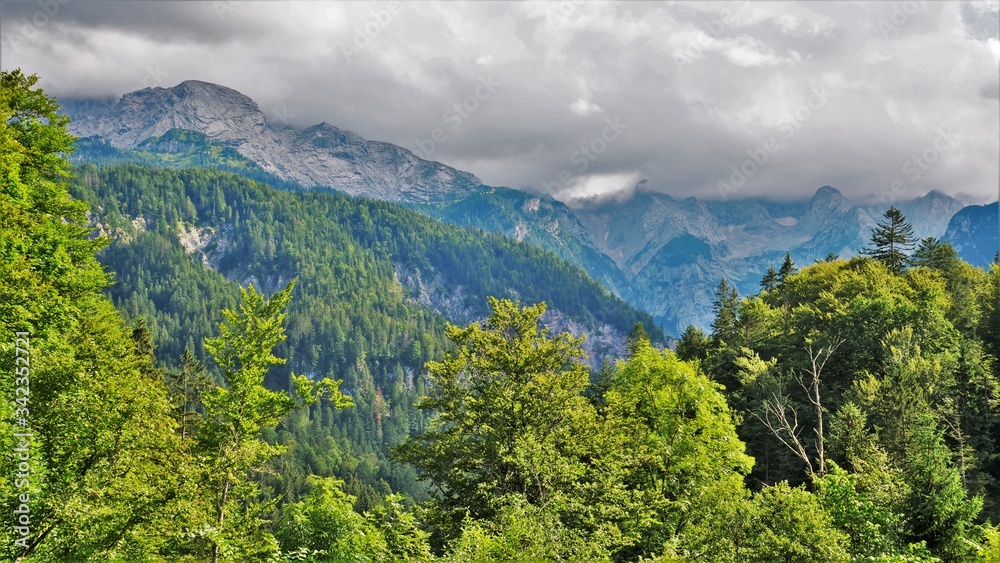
[(787, 270), (186, 387), (636, 336), (891, 240), (693, 344), (724, 309), (935, 254), (770, 279)]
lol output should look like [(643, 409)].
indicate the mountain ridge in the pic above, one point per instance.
[(317, 156), (662, 254)]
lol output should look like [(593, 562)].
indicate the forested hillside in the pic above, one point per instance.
[(182, 239), (847, 412)]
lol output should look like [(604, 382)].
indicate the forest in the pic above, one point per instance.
[(279, 395)]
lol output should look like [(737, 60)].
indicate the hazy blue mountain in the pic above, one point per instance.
[(975, 233), (675, 252)]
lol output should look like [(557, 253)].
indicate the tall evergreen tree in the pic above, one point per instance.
[(935, 254), (187, 385), (891, 241), (787, 269), (770, 279), (693, 344), (636, 336), (724, 308)]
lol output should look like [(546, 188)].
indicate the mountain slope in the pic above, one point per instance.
[(675, 252), (321, 155), (537, 220), (661, 254), (377, 283), (975, 233), (251, 233)]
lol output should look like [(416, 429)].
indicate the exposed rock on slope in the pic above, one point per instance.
[(321, 155)]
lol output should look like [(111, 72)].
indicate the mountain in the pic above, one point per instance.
[(975, 233), (249, 232), (535, 219), (675, 252), (376, 284), (661, 254), (320, 155)]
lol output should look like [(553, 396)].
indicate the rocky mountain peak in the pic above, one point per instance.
[(828, 194), (319, 155)]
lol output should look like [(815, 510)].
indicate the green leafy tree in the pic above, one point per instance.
[(512, 420), (103, 455), (523, 532), (404, 539), (323, 527), (891, 241), (785, 523), (236, 413), (685, 463)]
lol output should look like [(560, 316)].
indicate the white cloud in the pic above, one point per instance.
[(583, 107)]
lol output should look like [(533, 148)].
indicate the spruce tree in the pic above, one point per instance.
[(693, 344), (787, 270), (891, 240), (935, 254), (770, 279), (724, 309)]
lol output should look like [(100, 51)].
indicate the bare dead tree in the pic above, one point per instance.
[(782, 419), (811, 386), (785, 429)]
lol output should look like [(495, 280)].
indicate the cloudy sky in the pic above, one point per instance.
[(576, 98)]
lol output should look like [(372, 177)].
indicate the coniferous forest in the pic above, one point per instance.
[(200, 367)]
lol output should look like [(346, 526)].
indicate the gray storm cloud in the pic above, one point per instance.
[(710, 99)]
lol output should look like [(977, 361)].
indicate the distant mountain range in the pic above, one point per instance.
[(661, 254)]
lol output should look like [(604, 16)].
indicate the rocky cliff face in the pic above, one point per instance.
[(321, 155), (603, 342)]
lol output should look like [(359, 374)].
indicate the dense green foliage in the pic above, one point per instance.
[(847, 412)]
